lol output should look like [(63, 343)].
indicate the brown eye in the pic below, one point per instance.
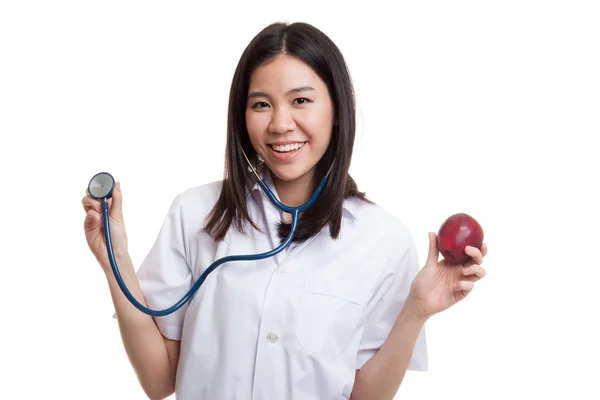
[(302, 100), (260, 104)]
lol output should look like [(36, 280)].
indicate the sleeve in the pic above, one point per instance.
[(385, 305), (165, 275)]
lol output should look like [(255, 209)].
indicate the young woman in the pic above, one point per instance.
[(338, 314)]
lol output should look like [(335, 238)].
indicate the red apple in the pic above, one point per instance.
[(456, 233)]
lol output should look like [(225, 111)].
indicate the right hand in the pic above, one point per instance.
[(94, 229)]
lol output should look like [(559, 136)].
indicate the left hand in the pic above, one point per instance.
[(439, 285)]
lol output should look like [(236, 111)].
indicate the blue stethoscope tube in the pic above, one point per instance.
[(294, 211)]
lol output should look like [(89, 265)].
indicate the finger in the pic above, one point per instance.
[(475, 272), (89, 203), (433, 256), (116, 206), (465, 286), (92, 221), (484, 249), (475, 253)]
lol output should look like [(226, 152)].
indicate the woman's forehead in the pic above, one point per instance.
[(285, 75)]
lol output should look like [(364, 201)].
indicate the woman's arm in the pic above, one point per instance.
[(153, 357), (437, 286), (381, 376)]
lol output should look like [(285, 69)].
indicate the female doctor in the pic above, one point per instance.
[(338, 314)]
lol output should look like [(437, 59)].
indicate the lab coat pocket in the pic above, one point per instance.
[(331, 315)]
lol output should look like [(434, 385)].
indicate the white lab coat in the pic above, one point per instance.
[(292, 327)]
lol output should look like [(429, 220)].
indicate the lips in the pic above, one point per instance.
[(286, 152), (287, 147)]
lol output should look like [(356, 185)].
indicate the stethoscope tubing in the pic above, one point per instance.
[(294, 211)]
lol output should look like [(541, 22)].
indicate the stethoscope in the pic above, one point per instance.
[(101, 187)]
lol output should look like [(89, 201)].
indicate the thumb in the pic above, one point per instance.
[(116, 207), (433, 256)]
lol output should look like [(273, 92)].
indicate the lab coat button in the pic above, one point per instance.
[(272, 337)]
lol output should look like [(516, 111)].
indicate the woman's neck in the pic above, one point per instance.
[(294, 193)]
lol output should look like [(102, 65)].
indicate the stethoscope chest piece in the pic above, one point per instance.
[(101, 186)]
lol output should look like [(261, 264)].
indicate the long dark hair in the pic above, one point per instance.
[(313, 47)]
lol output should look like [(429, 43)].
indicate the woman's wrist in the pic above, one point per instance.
[(414, 311)]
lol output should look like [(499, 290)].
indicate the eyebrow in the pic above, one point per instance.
[(295, 90)]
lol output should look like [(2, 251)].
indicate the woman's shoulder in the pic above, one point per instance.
[(195, 203), (207, 193), (370, 215)]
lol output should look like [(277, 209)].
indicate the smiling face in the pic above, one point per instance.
[(289, 117)]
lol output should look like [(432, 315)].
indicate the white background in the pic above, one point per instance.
[(489, 108)]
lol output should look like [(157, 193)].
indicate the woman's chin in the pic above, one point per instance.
[(291, 174)]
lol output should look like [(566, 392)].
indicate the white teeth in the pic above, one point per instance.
[(287, 147)]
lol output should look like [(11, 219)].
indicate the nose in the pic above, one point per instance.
[(282, 122)]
